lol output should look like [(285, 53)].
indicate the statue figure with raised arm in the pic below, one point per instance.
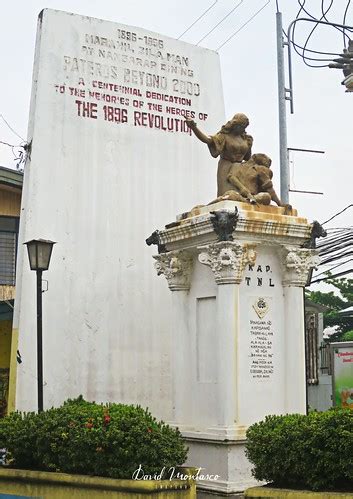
[(232, 144)]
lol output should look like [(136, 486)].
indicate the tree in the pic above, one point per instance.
[(348, 336), (336, 303)]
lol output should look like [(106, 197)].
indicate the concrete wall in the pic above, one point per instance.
[(99, 182)]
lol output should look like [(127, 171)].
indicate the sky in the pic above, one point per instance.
[(323, 110)]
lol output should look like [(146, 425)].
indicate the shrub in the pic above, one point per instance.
[(93, 439), (313, 451), (347, 336)]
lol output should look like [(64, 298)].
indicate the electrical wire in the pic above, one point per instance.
[(243, 26), (334, 276), (314, 51), (19, 156), (10, 127), (324, 14), (344, 22), (197, 20), (334, 267), (311, 33), (7, 144), (336, 215), (220, 22), (304, 50)]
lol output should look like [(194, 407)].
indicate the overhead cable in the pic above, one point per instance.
[(243, 26), (220, 22), (10, 127), (198, 19), (336, 215)]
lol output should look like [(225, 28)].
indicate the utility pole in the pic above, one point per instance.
[(282, 97)]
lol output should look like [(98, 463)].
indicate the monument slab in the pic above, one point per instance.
[(109, 155)]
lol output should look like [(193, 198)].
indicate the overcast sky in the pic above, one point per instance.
[(323, 116)]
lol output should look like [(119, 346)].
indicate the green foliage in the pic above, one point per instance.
[(335, 304), (348, 336), (345, 287), (329, 299), (297, 451), (92, 439)]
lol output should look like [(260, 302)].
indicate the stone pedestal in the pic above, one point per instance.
[(237, 274)]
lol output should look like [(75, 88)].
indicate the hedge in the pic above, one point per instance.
[(83, 437), (311, 451)]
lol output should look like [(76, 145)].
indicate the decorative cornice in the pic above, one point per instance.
[(270, 228), (176, 266), (227, 260), (297, 264)]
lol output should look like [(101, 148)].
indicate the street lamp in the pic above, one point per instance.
[(39, 253)]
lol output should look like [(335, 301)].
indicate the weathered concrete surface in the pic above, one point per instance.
[(62, 485), (260, 492)]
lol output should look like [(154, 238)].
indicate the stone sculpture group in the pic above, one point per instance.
[(240, 176)]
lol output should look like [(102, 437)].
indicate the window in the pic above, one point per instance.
[(8, 249)]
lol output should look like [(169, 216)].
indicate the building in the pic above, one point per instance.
[(318, 362), (10, 208)]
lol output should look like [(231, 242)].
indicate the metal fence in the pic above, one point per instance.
[(325, 358)]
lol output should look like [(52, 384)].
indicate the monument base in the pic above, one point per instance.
[(227, 460), (237, 274)]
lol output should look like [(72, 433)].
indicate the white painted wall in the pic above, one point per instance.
[(99, 188), (261, 350)]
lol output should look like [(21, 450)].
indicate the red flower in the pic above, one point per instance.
[(89, 425), (107, 419), (149, 430)]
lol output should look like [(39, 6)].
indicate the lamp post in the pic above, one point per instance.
[(39, 253)]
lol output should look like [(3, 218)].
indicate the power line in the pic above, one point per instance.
[(19, 156), (344, 22), (304, 50), (336, 27), (198, 19), (7, 144), (243, 26), (332, 268), (339, 213), (221, 21), (302, 55), (10, 127), (309, 36), (340, 274)]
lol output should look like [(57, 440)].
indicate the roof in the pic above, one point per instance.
[(12, 178), (346, 312), (311, 306)]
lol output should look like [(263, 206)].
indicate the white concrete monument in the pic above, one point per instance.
[(109, 155), (236, 272)]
